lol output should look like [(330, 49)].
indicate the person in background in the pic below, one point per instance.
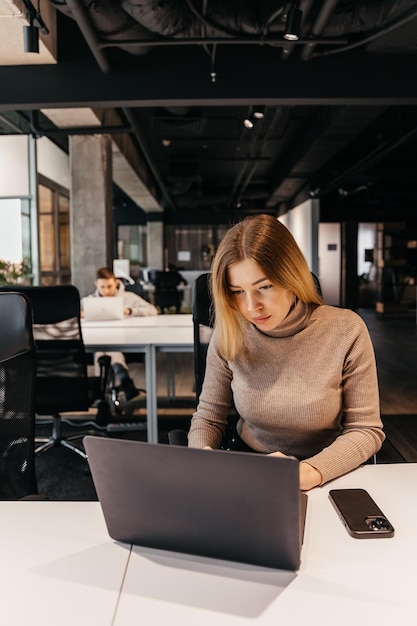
[(301, 375), (108, 286), (168, 292), (180, 282)]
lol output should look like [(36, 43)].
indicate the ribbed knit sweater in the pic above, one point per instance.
[(308, 389)]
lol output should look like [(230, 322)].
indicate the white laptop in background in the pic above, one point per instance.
[(103, 309)]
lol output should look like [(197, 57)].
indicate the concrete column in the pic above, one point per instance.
[(91, 208), (155, 244)]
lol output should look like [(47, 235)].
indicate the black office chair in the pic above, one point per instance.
[(17, 399), (317, 285), (166, 294), (203, 324), (62, 383)]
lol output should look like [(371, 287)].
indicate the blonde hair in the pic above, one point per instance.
[(267, 242)]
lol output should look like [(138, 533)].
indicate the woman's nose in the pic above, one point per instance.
[(252, 302)]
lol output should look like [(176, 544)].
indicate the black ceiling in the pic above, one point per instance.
[(340, 114)]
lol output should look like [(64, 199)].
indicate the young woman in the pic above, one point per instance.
[(301, 375)]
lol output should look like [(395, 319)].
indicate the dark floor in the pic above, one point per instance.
[(62, 475), (395, 343)]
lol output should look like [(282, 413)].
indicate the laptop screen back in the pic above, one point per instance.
[(226, 505), (103, 309)]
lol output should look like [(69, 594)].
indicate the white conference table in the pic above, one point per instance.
[(156, 333), (60, 567)]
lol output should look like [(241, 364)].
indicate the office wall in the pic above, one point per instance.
[(14, 166), (330, 262), (303, 222), (11, 237), (52, 162), (366, 246)]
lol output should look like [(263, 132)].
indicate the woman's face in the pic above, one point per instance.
[(260, 301)]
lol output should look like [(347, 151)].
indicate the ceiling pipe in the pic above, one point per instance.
[(274, 41), (237, 185), (142, 145), (246, 173), (400, 21), (371, 159), (11, 124), (86, 27), (326, 10)]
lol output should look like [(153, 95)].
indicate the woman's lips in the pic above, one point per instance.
[(261, 320)]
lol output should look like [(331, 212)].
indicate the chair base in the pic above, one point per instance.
[(56, 439)]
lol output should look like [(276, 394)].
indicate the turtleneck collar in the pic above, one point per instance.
[(295, 321)]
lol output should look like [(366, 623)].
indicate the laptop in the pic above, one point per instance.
[(233, 506), (103, 309)]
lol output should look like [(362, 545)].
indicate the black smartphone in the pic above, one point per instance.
[(360, 514)]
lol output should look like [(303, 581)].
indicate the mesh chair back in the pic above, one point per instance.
[(17, 398), (203, 323), (61, 376), (166, 290)]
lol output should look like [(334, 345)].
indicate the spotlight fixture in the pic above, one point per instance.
[(256, 114), (249, 122), (293, 23), (31, 38), (31, 32)]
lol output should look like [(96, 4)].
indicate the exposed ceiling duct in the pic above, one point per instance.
[(182, 77), (329, 26)]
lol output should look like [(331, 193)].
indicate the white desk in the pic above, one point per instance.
[(163, 333), (155, 321), (60, 567), (342, 580)]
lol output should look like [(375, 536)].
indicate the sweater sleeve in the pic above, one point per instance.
[(209, 420), (362, 434), (139, 306)]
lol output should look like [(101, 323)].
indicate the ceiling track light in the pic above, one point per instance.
[(31, 38), (249, 122), (255, 115), (31, 32), (259, 112), (293, 23)]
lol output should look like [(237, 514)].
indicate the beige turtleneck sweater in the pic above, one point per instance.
[(308, 389)]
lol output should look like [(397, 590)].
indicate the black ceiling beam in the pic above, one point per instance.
[(332, 130), (183, 80), (51, 130), (82, 17)]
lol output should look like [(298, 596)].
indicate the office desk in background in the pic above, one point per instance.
[(156, 333), (59, 566)]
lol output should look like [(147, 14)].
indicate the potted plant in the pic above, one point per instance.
[(15, 273)]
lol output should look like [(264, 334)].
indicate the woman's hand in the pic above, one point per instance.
[(309, 476)]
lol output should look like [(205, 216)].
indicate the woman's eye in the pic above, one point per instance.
[(266, 287), (236, 293)]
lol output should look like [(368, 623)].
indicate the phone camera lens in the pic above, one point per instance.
[(378, 523)]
